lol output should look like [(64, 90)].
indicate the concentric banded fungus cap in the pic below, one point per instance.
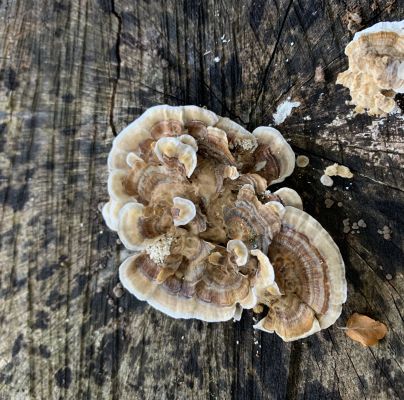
[(188, 194), (110, 212), (286, 196), (203, 291), (140, 226), (251, 221), (310, 274), (155, 183), (238, 137), (133, 147), (376, 67), (183, 149), (274, 159)]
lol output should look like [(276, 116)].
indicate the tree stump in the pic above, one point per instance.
[(73, 74)]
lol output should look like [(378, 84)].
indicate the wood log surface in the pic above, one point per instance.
[(73, 74)]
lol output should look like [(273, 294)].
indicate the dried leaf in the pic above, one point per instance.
[(365, 330)]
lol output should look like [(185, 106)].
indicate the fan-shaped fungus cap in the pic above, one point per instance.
[(376, 67), (183, 211), (156, 183), (156, 122), (310, 273), (116, 187), (239, 249), (212, 142), (274, 158), (139, 228), (110, 212), (203, 291), (185, 189), (128, 227), (238, 137), (286, 196), (166, 128), (266, 281), (168, 147), (251, 221), (256, 181)]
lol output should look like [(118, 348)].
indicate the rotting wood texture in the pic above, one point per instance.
[(73, 74)]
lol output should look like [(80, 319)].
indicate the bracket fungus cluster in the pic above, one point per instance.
[(188, 195), (376, 67)]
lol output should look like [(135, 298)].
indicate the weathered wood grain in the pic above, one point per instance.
[(73, 74)]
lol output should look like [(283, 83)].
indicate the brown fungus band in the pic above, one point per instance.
[(188, 194)]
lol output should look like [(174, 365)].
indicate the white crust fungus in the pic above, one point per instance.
[(376, 67), (338, 170), (326, 180)]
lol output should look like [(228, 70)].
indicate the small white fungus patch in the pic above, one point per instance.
[(338, 170), (247, 144), (385, 232), (284, 110), (159, 249), (302, 161), (326, 180)]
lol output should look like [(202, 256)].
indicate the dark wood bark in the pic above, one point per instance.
[(73, 74)]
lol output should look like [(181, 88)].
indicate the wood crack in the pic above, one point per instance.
[(296, 353), (231, 114), (118, 67), (397, 307), (356, 372), (271, 59)]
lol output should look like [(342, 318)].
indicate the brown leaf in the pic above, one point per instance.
[(365, 330)]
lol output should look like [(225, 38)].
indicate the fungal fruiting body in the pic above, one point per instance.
[(376, 67), (188, 194)]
